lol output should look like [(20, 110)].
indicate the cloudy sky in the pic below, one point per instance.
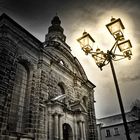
[(92, 16)]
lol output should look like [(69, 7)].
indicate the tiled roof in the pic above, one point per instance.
[(117, 119)]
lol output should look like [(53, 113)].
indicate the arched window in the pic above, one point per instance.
[(17, 108), (85, 99), (61, 89), (62, 62)]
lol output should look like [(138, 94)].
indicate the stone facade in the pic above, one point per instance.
[(44, 91)]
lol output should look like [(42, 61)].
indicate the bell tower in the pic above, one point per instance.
[(55, 30)]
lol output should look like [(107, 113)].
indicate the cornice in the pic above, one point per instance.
[(19, 31)]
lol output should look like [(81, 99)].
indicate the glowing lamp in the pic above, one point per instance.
[(116, 27), (125, 47), (86, 42), (102, 59), (99, 57)]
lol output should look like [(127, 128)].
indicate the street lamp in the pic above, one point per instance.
[(116, 28)]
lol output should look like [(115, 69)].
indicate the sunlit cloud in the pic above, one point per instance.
[(104, 40), (131, 78)]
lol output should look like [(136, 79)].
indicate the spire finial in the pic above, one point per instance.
[(84, 33), (112, 18), (56, 21)]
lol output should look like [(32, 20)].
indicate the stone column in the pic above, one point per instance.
[(81, 130), (50, 127), (76, 128), (56, 128), (84, 131), (46, 126), (60, 127)]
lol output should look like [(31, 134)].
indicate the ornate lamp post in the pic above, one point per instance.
[(116, 28)]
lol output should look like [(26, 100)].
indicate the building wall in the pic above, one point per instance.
[(113, 136), (120, 136), (14, 51), (50, 70), (112, 128)]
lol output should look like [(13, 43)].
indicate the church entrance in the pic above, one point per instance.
[(67, 132)]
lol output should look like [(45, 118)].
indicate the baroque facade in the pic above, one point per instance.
[(44, 91)]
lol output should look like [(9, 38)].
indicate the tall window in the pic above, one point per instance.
[(85, 101), (116, 131), (108, 134), (61, 89), (18, 98)]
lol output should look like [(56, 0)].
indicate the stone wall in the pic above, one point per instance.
[(52, 71), (7, 74)]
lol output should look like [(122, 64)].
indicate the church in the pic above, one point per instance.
[(44, 91)]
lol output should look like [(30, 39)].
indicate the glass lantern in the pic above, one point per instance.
[(116, 28), (86, 42), (125, 47), (99, 57)]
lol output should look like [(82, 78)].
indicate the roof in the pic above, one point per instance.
[(117, 119)]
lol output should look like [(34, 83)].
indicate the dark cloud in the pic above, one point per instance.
[(28, 8), (38, 12)]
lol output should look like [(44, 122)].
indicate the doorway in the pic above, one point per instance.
[(67, 132)]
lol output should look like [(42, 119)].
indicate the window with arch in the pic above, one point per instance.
[(61, 89), (61, 92), (85, 100), (16, 118), (62, 62)]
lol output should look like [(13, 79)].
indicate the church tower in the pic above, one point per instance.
[(56, 33), (45, 93), (55, 30)]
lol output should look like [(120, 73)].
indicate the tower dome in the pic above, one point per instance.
[(55, 30), (56, 21)]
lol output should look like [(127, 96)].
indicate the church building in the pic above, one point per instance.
[(44, 91)]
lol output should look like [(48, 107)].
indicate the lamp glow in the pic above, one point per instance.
[(86, 42), (99, 57), (125, 47), (116, 27)]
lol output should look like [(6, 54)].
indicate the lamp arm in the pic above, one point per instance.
[(118, 59), (114, 46), (106, 63), (119, 55)]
